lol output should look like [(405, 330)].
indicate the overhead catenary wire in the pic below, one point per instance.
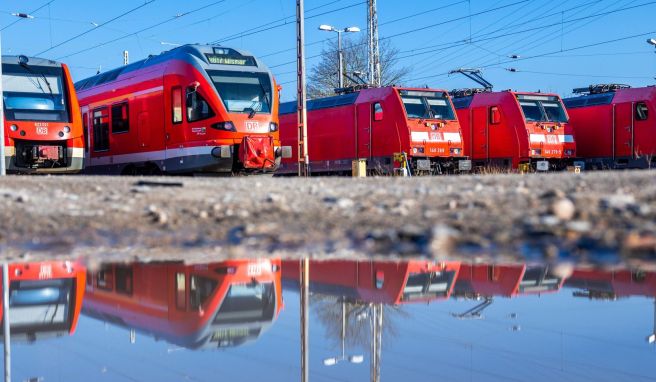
[(141, 30), (31, 12), (146, 3)]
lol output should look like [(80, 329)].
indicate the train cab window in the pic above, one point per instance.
[(180, 291), (120, 118), (100, 129), (378, 112), (176, 104), (641, 111), (200, 290), (197, 108)]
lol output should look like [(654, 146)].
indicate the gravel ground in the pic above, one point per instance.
[(592, 217)]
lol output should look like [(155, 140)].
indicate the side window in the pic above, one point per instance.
[(120, 118), (176, 104), (197, 108), (124, 279), (495, 115), (105, 278), (100, 130), (378, 112), (641, 111), (180, 291), (85, 131)]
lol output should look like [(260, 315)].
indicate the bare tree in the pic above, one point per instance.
[(323, 78)]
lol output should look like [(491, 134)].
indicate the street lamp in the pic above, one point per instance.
[(355, 358), (328, 28), (652, 337)]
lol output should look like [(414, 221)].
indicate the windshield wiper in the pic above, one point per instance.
[(24, 65)]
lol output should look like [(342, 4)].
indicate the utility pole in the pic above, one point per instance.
[(305, 317), (5, 319), (376, 340), (126, 57), (3, 165), (374, 50), (301, 97)]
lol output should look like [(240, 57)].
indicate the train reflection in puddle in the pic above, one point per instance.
[(201, 306)]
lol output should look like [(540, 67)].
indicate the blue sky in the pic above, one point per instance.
[(548, 35)]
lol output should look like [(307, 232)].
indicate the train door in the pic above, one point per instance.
[(479, 133), (175, 131), (623, 130), (364, 125), (643, 141)]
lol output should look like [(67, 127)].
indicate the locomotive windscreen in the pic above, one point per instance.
[(243, 92), (427, 105), (34, 93), (42, 305), (542, 108)]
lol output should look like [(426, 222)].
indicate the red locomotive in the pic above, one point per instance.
[(385, 282), (509, 129), (193, 306), (43, 127), (614, 125), (612, 284), (45, 299), (193, 109), (375, 124)]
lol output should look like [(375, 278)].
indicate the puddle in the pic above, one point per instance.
[(240, 320)]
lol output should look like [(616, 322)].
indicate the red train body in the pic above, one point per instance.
[(43, 127), (385, 282), (612, 284), (506, 280), (615, 127), (506, 129), (45, 299), (135, 121), (374, 124), (194, 306)]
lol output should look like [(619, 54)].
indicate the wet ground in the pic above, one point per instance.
[(611, 214), (239, 320)]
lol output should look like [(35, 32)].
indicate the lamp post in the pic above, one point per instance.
[(652, 337), (340, 55), (355, 358)]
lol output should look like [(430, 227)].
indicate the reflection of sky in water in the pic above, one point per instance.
[(561, 338)]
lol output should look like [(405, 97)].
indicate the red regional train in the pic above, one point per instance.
[(43, 127), (614, 125), (193, 109), (200, 306), (507, 280), (513, 129), (375, 124), (612, 284), (385, 282), (45, 299)]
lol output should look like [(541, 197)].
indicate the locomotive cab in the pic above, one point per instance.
[(43, 132)]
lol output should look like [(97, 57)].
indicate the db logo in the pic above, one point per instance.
[(552, 139), (252, 126), (436, 137), (42, 130)]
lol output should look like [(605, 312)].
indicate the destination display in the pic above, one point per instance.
[(222, 59)]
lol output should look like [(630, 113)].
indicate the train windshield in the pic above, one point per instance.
[(427, 104), (542, 108), (34, 93), (538, 279), (42, 305), (428, 285), (243, 92), (245, 303)]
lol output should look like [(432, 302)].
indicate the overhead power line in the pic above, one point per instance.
[(31, 13), (141, 30), (100, 25)]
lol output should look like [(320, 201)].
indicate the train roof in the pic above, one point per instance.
[(320, 103), (33, 61), (206, 56), (606, 94)]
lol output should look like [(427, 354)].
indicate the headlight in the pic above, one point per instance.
[(536, 151), (569, 152), (227, 126), (273, 127), (13, 127), (455, 150), (67, 129)]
